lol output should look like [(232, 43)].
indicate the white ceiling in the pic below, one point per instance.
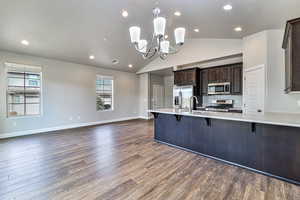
[(71, 30)]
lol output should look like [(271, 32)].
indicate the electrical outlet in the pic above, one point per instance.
[(298, 103), (78, 117), (14, 123), (70, 118)]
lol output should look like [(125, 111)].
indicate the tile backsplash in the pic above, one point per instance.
[(237, 99)]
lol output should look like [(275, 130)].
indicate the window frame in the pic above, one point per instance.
[(112, 91), (6, 66)]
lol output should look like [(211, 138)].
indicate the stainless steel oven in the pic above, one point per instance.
[(219, 88)]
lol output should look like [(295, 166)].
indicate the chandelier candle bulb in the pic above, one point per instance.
[(135, 34), (142, 46), (179, 35), (164, 46), (159, 26)]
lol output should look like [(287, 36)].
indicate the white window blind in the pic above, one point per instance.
[(104, 93), (23, 90)]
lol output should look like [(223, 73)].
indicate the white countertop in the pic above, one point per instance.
[(281, 119)]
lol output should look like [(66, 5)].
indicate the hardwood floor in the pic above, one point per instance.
[(121, 161)]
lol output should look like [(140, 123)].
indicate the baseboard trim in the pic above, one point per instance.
[(147, 118), (63, 127)]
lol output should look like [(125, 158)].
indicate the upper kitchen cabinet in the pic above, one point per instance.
[(213, 75), (187, 77), (237, 79), (219, 75), (204, 82), (291, 44), (223, 74)]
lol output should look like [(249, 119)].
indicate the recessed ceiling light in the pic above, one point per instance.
[(25, 42), (227, 7), (177, 13), (196, 30), (124, 13), (238, 29), (166, 36), (130, 65), (92, 57)]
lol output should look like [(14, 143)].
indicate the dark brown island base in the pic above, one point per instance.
[(269, 149)]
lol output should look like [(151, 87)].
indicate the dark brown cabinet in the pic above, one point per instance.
[(237, 79), (212, 75), (228, 73), (204, 82), (225, 74), (291, 44), (178, 76), (186, 77), (219, 75)]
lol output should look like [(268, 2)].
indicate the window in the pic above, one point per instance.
[(104, 92), (23, 91)]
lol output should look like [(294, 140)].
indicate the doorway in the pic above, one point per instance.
[(254, 90), (158, 95)]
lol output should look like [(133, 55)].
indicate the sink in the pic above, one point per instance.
[(199, 111)]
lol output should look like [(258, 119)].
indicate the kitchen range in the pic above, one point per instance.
[(221, 105)]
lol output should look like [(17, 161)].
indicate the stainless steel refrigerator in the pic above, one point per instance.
[(181, 96)]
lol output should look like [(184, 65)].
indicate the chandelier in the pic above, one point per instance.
[(158, 45)]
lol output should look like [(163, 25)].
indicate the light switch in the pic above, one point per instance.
[(298, 102)]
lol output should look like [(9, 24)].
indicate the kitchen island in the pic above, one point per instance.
[(268, 144)]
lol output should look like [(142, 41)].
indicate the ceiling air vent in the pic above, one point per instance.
[(115, 61)]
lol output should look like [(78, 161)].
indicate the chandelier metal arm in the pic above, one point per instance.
[(152, 47), (163, 56), (149, 57)]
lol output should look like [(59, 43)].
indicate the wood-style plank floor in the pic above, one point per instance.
[(121, 161)]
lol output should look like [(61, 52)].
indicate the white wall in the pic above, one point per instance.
[(255, 50), (197, 50), (169, 84), (265, 48), (144, 95), (69, 93)]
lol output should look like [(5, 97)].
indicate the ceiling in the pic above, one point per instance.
[(74, 29)]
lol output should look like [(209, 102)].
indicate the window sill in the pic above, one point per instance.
[(24, 117), (110, 110)]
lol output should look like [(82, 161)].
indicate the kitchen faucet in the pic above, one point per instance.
[(192, 103)]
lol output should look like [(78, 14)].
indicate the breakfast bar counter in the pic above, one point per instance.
[(267, 144)]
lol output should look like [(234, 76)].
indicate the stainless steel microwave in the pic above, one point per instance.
[(219, 88)]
